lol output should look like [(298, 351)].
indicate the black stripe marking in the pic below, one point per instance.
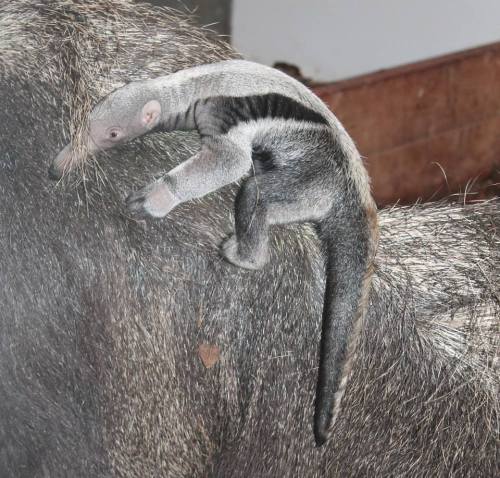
[(176, 121), (230, 111), (263, 160), (252, 107)]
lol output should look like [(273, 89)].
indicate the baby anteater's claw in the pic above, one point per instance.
[(135, 203), (155, 200)]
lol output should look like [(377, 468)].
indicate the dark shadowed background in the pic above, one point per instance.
[(216, 13)]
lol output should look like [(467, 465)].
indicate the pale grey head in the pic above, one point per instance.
[(125, 114)]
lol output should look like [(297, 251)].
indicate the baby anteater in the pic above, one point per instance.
[(304, 167)]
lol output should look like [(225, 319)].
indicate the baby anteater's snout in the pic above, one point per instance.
[(54, 173)]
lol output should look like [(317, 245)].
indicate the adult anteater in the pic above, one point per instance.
[(106, 323)]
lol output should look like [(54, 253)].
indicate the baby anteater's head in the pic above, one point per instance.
[(126, 113)]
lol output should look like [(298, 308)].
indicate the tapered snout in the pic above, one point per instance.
[(55, 173), (64, 162), (61, 163)]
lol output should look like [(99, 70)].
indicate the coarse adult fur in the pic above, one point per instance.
[(101, 316)]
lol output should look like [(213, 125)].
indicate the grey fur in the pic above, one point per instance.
[(101, 316), (306, 169)]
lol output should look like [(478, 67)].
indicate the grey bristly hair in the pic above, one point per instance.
[(101, 317)]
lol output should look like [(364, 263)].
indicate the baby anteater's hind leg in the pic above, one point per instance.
[(264, 200), (248, 247)]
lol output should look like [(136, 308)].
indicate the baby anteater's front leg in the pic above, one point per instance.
[(218, 163)]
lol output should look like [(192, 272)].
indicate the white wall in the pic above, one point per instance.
[(334, 39)]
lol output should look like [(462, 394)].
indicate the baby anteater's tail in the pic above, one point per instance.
[(350, 239)]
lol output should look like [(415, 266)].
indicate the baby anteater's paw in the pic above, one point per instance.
[(230, 252), (155, 200)]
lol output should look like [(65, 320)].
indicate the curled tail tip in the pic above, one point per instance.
[(320, 438), (322, 424)]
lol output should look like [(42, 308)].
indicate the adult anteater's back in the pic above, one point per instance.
[(101, 317)]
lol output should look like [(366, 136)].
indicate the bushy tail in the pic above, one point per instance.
[(350, 241)]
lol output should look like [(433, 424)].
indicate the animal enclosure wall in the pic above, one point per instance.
[(429, 129), (337, 39)]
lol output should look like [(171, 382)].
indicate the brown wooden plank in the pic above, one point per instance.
[(436, 166), (418, 66), (409, 119)]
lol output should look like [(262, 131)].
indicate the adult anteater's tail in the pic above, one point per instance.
[(350, 240)]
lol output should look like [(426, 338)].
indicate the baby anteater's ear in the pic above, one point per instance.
[(150, 115)]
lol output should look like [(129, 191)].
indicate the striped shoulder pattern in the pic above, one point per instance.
[(217, 115)]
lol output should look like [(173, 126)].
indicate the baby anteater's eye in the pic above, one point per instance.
[(114, 134)]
